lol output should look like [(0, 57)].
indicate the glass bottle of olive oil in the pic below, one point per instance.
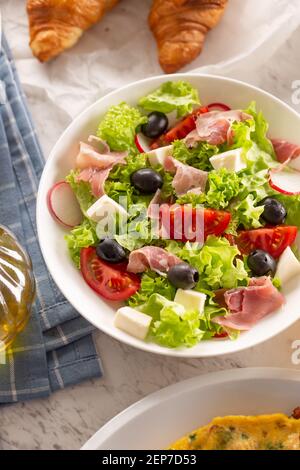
[(17, 287)]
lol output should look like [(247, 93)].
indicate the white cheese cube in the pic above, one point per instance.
[(133, 322), (231, 160), (288, 266), (295, 163), (105, 207), (157, 156), (190, 299)]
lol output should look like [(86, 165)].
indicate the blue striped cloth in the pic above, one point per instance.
[(56, 349)]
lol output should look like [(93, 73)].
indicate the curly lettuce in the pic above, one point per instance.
[(260, 131), (198, 157), (152, 283), (118, 184), (171, 96), (172, 325), (217, 262), (82, 236), (248, 213), (118, 127)]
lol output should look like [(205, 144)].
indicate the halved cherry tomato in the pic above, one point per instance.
[(220, 335), (111, 282), (185, 223), (181, 130), (272, 240)]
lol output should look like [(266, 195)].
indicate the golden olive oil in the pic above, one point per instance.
[(17, 287)]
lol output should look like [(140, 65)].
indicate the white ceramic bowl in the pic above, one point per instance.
[(152, 424), (284, 123)]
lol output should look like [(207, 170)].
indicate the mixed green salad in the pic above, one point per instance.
[(171, 158)]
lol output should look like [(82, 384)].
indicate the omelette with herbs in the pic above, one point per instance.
[(264, 432)]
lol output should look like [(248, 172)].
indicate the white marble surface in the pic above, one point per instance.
[(69, 417)]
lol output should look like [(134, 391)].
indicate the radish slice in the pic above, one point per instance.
[(142, 143), (285, 181), (63, 205), (218, 107)]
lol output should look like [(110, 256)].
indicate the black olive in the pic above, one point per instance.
[(261, 263), (146, 180), (183, 276), (109, 250), (274, 212), (156, 125)]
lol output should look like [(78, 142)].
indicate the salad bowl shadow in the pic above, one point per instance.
[(284, 123)]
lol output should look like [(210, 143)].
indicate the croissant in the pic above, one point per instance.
[(180, 28), (56, 25)]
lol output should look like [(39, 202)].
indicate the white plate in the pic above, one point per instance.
[(163, 417), (284, 123)]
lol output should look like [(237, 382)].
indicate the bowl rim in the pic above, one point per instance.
[(143, 345), (204, 380)]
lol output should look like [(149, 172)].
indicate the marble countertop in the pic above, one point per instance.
[(69, 417)]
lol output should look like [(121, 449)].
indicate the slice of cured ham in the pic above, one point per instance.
[(89, 157), (186, 178), (151, 257), (96, 178), (215, 127), (95, 164), (248, 305), (285, 151)]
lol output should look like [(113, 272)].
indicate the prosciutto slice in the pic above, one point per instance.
[(151, 257), (96, 178), (248, 305), (187, 178), (215, 127), (89, 157), (285, 151), (96, 165)]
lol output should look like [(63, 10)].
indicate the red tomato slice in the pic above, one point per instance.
[(112, 283), (272, 240), (181, 130), (185, 223)]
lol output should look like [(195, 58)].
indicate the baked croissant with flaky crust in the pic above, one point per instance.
[(180, 28), (56, 25)]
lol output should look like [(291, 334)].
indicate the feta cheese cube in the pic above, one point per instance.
[(133, 322), (231, 160), (190, 299), (288, 266), (105, 207), (157, 156)]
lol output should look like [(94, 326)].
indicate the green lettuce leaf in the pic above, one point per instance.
[(248, 213), (137, 232), (118, 184), (170, 96), (197, 157), (172, 325), (82, 236), (292, 205), (118, 127), (217, 263), (82, 190), (259, 133), (223, 185), (152, 283)]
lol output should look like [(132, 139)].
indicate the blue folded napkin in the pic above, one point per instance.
[(56, 349)]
